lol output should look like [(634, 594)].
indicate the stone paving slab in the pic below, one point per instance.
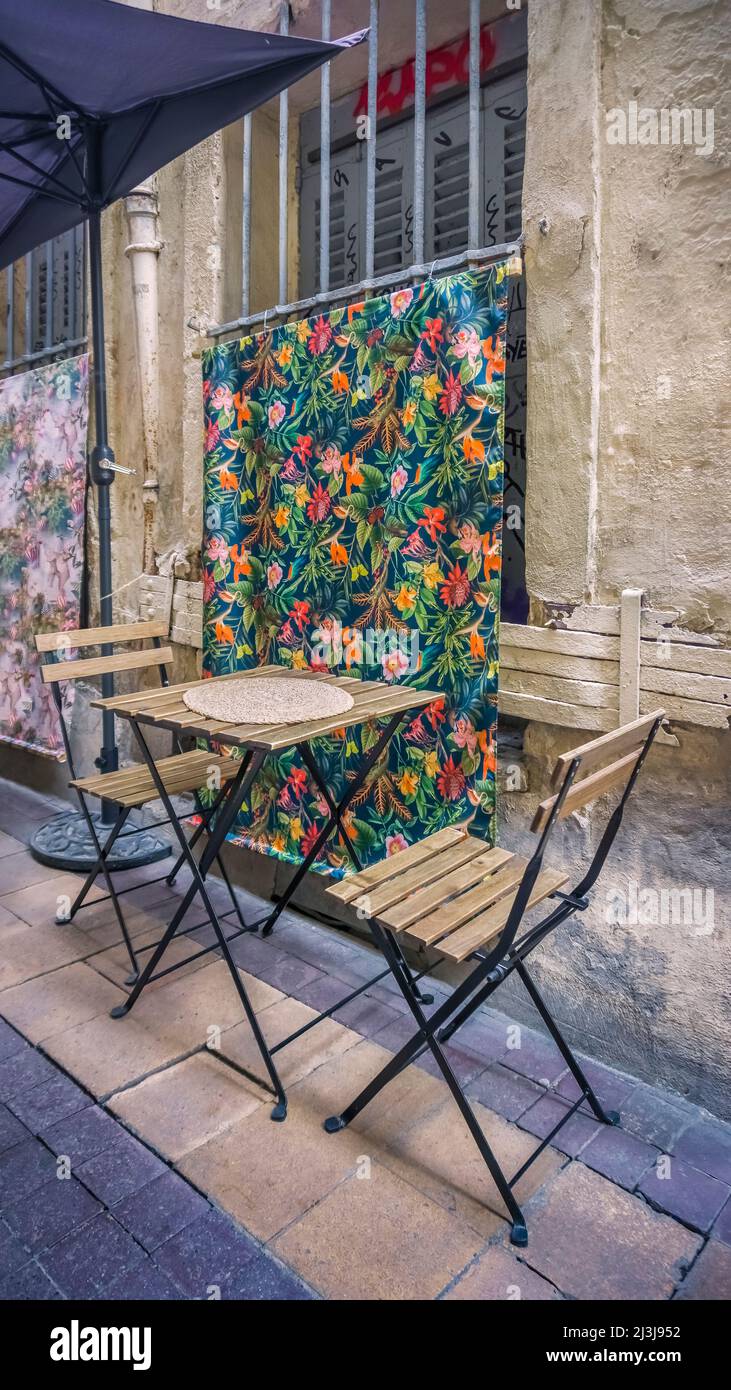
[(188, 1104), (166, 1025), (593, 1240), (305, 1054), (57, 1001), (397, 1206), (498, 1275), (88, 1212), (377, 1237), (710, 1277)]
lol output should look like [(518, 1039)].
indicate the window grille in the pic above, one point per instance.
[(45, 300)]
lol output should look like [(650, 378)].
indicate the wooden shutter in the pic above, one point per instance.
[(447, 180), (394, 199), (345, 220), (503, 154), (61, 300)]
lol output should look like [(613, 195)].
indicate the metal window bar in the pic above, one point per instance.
[(283, 166), (474, 123), (246, 222), (36, 263), (419, 269), (370, 254), (325, 157), (419, 131)]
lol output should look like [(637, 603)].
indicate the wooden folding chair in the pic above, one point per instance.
[(130, 788), (454, 893)]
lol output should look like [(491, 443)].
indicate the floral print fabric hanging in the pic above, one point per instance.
[(353, 509), (43, 428)]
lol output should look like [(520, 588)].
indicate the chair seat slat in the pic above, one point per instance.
[(133, 786), (445, 886), (484, 928), (349, 888), (464, 906)]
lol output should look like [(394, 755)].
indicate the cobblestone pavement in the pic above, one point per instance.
[(137, 1161)]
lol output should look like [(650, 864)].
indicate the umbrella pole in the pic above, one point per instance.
[(65, 842), (102, 477)]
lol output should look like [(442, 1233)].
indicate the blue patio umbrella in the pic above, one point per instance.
[(94, 97)]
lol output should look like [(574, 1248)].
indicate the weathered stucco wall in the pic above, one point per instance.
[(627, 389)]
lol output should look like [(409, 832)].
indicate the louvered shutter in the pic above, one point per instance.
[(58, 303), (447, 181), (345, 220), (503, 153), (394, 199)]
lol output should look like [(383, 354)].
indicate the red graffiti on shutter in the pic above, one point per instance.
[(445, 67)]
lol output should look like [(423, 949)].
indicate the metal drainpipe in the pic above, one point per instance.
[(143, 251)]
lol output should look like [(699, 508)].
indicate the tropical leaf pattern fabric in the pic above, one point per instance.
[(353, 508), (43, 428)]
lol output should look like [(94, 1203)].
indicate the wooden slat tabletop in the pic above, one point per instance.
[(166, 709)]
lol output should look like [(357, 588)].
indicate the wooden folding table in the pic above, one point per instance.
[(166, 709)]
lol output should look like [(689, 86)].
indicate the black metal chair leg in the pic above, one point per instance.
[(369, 1092), (102, 862), (409, 975), (120, 1010), (96, 868), (425, 1035), (607, 1117), (335, 817)]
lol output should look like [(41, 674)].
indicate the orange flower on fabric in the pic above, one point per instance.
[(477, 646), (493, 559), (338, 553), (285, 354), (494, 354), (405, 598), (340, 382), (243, 414), (432, 333), (224, 633), (409, 782), (353, 475), (281, 518), (229, 481), (473, 448), (241, 562), (489, 756), (433, 521)]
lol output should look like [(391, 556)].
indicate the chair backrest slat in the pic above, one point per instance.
[(612, 745), (99, 636), (103, 665), (580, 793)]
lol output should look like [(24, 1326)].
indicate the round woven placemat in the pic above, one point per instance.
[(268, 700)]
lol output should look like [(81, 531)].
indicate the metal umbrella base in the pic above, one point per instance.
[(65, 842)]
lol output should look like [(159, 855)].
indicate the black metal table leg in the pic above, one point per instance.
[(238, 791)]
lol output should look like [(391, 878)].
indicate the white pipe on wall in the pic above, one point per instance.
[(143, 251)]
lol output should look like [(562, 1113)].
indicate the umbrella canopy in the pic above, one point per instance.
[(95, 96)]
